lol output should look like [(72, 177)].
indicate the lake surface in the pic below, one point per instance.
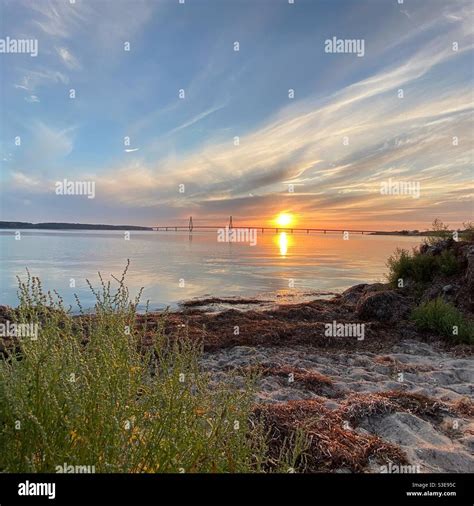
[(175, 266)]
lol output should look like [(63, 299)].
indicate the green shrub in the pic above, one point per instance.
[(111, 404), (419, 267), (442, 317), (448, 263), (403, 265)]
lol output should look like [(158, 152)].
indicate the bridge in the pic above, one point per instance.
[(190, 227)]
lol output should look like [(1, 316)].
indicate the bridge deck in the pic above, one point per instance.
[(181, 228)]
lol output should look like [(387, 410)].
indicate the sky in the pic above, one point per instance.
[(170, 120)]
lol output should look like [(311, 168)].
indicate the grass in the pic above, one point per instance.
[(419, 267), (468, 233), (442, 317), (106, 401)]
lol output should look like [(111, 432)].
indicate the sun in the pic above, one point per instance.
[(284, 219)]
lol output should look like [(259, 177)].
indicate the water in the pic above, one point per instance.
[(174, 266)]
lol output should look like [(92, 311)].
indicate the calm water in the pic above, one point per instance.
[(159, 260)]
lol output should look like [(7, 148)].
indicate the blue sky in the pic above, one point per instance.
[(282, 141)]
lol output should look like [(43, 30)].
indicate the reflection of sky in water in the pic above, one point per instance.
[(160, 259)]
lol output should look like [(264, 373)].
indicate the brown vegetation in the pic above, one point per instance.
[(332, 443)]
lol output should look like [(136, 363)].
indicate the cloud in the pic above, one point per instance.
[(68, 59), (57, 18), (196, 119), (21, 181), (32, 99), (304, 145), (34, 79), (336, 149), (47, 146)]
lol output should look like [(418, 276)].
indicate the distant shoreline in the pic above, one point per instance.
[(21, 225)]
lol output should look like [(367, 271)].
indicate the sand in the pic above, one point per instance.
[(443, 442)]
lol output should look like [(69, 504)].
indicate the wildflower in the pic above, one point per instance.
[(74, 436)]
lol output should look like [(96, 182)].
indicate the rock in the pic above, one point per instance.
[(353, 294), (406, 429), (381, 306), (468, 442), (452, 460), (376, 287), (330, 404), (470, 274), (437, 248), (6, 313), (463, 287)]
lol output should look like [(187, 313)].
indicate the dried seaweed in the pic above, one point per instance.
[(333, 444)]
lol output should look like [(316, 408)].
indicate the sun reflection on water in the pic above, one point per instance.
[(283, 243)]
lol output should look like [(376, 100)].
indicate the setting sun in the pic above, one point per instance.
[(284, 219)]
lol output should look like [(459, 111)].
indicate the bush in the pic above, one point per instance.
[(439, 232), (106, 401), (440, 316), (468, 233), (419, 267), (448, 263)]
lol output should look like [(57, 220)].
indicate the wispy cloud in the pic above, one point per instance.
[(34, 79), (32, 99), (304, 145), (56, 18), (335, 145), (68, 58)]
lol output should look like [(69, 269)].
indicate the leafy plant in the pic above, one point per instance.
[(419, 267), (403, 265), (440, 316), (87, 392), (447, 262)]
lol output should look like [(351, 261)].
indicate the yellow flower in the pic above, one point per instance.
[(146, 469), (74, 436), (150, 416), (135, 435)]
